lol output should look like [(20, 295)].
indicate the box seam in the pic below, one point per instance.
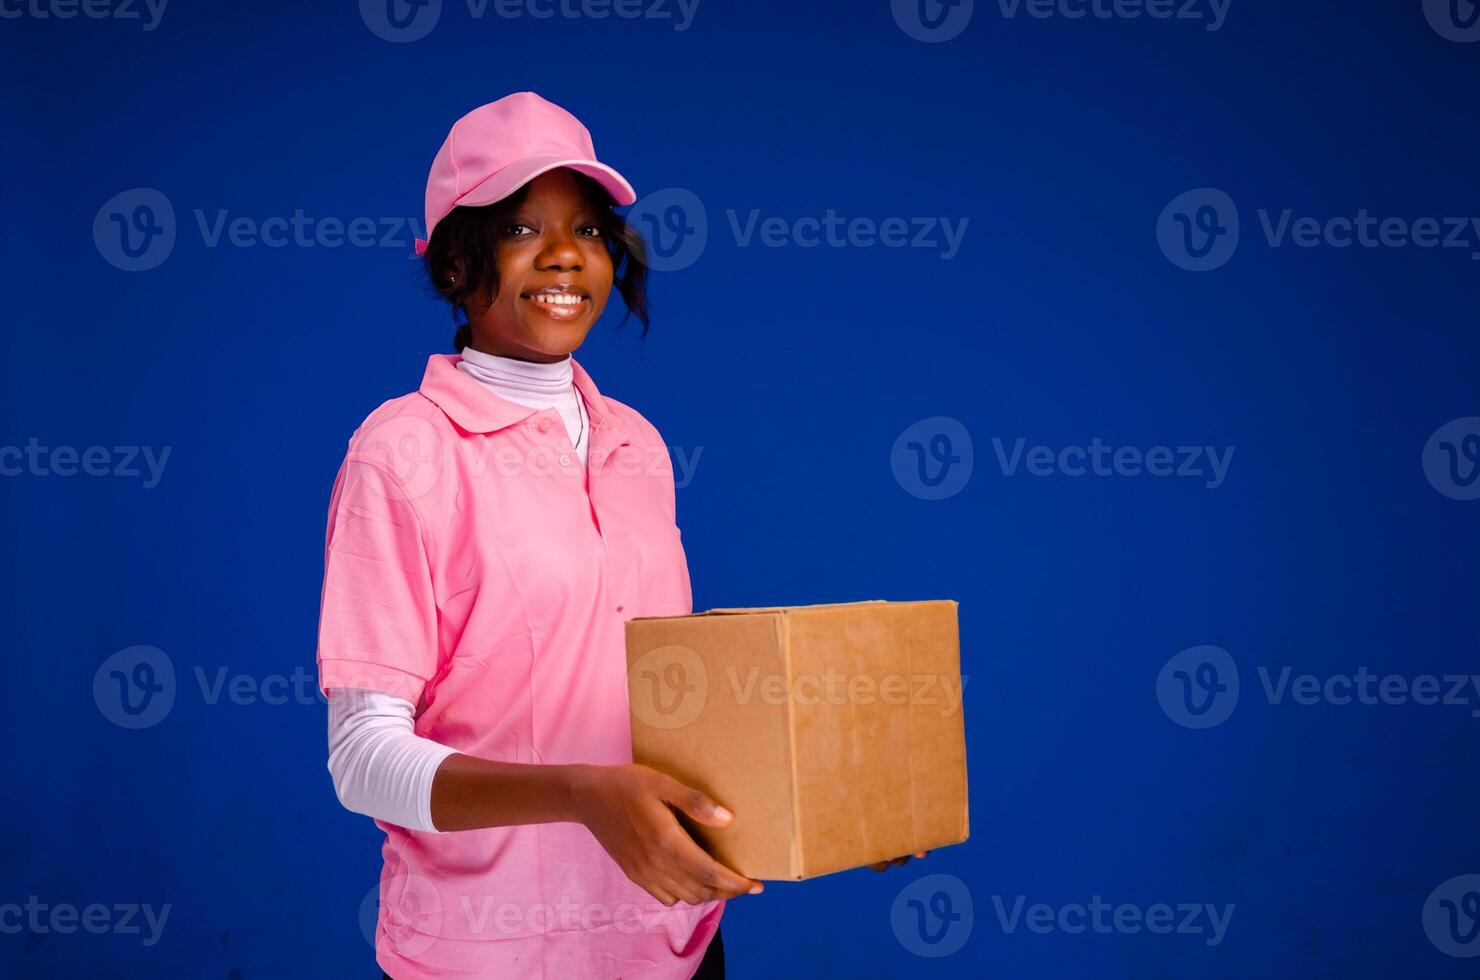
[(910, 737), (783, 640)]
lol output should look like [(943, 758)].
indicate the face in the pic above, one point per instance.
[(555, 275)]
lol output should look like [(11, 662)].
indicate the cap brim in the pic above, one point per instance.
[(501, 184)]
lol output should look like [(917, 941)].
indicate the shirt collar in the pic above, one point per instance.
[(474, 408)]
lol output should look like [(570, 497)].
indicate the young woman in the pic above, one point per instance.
[(488, 537)]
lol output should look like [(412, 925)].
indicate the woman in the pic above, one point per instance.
[(488, 537)]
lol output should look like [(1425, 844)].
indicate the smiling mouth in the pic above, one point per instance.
[(557, 304)]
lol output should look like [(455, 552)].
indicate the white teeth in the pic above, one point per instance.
[(560, 299)]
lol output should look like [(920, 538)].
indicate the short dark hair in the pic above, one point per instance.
[(472, 234)]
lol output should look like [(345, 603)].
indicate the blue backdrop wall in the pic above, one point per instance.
[(1146, 330)]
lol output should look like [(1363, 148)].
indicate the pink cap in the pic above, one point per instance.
[(497, 148)]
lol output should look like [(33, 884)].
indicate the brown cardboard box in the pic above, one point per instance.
[(834, 732)]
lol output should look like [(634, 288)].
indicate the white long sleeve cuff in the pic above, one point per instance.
[(381, 767)]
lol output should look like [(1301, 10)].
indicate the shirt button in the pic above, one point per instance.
[(564, 459), (620, 608), (545, 425)]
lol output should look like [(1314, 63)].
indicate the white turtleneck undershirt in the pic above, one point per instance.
[(535, 385), (381, 767)]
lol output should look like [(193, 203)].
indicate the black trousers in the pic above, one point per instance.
[(711, 967)]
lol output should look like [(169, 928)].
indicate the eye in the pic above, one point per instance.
[(513, 229), (591, 231)]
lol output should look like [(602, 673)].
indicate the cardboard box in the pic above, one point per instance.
[(834, 732)]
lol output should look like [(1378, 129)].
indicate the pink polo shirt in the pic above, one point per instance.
[(474, 568)]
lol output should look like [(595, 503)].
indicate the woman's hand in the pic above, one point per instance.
[(886, 865), (627, 810)]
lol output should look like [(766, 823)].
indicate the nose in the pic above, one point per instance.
[(560, 253)]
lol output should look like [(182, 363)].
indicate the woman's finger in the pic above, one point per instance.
[(692, 861), (697, 894), (661, 893), (683, 884), (706, 872), (695, 804)]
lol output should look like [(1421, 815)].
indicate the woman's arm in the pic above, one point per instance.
[(626, 808), (383, 769)]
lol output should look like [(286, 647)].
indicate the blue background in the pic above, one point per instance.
[(792, 371)]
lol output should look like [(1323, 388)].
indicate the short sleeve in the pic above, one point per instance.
[(377, 617)]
